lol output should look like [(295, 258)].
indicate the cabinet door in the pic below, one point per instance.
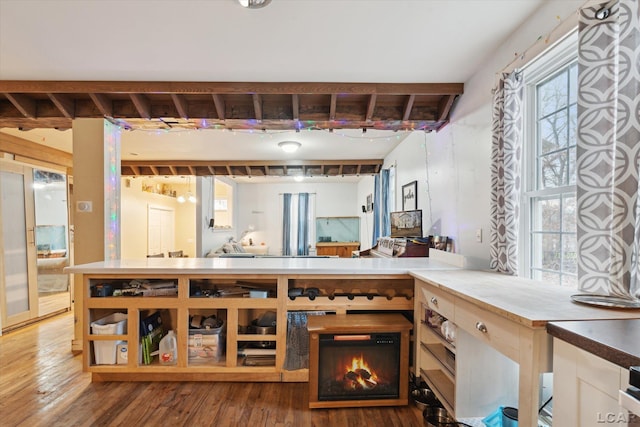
[(585, 388)]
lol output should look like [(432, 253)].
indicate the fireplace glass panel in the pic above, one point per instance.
[(358, 367)]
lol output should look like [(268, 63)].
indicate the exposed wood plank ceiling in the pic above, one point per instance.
[(232, 105)]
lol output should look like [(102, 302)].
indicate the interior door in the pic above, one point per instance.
[(161, 230), (18, 286)]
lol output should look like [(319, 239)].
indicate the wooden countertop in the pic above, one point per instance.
[(613, 340), (365, 323), (528, 302)]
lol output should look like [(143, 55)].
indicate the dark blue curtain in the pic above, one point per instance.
[(381, 211), (376, 211), (286, 224), (384, 195), (303, 224)]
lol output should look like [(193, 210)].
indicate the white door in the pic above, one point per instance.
[(161, 230), (18, 281)]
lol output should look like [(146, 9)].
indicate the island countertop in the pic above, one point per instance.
[(265, 265), (528, 302)]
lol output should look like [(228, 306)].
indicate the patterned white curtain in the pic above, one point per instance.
[(608, 148), (506, 152)]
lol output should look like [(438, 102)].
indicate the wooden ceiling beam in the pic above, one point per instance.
[(272, 88), (103, 103), (142, 104), (371, 107), (27, 106), (220, 108), (24, 148), (332, 107), (444, 107), (257, 106), (154, 170), (408, 106), (63, 103), (181, 105), (295, 106)]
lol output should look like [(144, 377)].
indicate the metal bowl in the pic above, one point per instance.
[(438, 417), (423, 398)]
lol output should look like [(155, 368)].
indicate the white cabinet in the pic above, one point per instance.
[(469, 376), (586, 388)]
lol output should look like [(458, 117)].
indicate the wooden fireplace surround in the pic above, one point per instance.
[(358, 324)]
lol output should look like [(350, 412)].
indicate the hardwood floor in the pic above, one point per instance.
[(42, 384)]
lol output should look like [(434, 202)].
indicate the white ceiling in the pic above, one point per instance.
[(377, 41)]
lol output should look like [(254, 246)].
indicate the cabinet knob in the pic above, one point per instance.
[(481, 327), (434, 300)]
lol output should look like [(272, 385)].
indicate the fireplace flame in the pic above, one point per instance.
[(360, 375)]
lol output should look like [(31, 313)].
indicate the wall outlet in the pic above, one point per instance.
[(479, 235)]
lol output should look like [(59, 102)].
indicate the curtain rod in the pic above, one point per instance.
[(313, 194), (559, 32)]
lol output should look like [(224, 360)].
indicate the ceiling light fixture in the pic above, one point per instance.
[(254, 4), (289, 146)]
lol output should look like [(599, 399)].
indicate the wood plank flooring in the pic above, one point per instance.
[(42, 384)]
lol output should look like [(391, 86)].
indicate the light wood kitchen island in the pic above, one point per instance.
[(493, 312), (343, 285)]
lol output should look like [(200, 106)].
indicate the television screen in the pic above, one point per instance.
[(406, 223)]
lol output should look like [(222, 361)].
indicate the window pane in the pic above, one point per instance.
[(569, 214), (223, 204), (546, 251), (569, 264), (573, 84), (553, 169), (552, 95), (553, 132), (546, 215)]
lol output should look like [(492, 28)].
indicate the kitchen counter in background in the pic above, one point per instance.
[(617, 341)]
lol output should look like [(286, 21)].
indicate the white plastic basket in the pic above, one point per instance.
[(114, 324)]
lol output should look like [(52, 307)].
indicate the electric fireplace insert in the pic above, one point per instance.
[(358, 360)]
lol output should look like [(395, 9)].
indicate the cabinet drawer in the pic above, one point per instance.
[(496, 331), (436, 300)]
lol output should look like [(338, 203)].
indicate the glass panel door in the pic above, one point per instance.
[(18, 300), (52, 243)]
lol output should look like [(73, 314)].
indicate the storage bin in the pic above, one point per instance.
[(206, 344), (114, 324)]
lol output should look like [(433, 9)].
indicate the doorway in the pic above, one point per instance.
[(161, 230), (33, 244)]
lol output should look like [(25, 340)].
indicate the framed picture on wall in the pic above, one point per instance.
[(410, 196)]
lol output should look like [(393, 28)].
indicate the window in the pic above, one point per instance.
[(549, 175), (223, 204)]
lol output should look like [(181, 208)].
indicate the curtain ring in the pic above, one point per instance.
[(603, 13)]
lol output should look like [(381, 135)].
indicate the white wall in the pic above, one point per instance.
[(260, 205), (365, 187), (458, 157)]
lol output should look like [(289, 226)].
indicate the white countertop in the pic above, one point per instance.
[(267, 265)]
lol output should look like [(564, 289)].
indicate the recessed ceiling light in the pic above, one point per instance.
[(298, 178), (289, 146), (254, 4)]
